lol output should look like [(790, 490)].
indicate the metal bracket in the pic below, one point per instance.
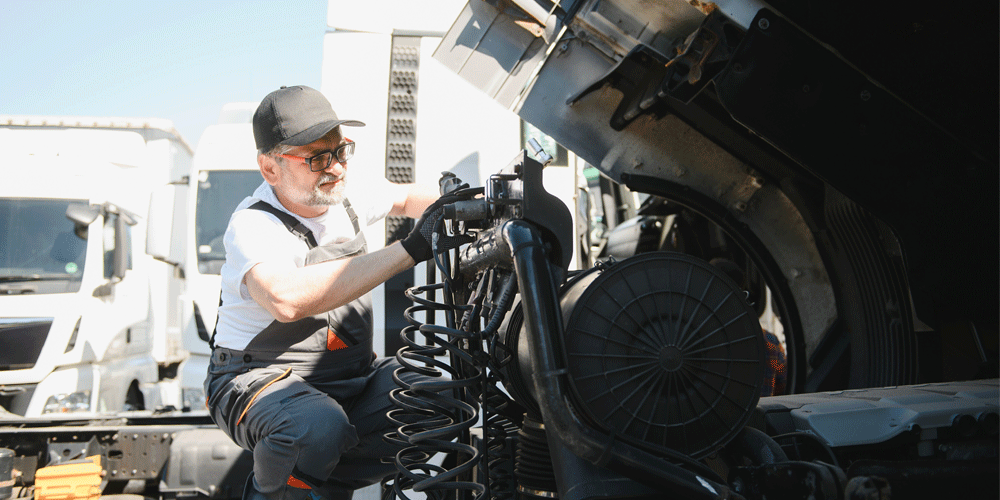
[(138, 455), (647, 78)]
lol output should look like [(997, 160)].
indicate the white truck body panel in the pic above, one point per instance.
[(106, 334)]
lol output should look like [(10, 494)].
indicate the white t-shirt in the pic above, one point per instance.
[(255, 236)]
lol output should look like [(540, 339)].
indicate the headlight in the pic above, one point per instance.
[(193, 398), (68, 403)]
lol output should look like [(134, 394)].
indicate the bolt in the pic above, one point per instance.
[(741, 206), (865, 95), (764, 23), (796, 272)]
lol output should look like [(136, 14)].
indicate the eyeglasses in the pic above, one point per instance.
[(323, 160)]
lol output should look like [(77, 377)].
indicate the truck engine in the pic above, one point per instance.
[(638, 378)]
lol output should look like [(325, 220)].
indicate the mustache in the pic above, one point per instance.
[(329, 178)]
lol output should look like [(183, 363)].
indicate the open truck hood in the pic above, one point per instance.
[(891, 105)]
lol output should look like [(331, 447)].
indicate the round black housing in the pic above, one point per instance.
[(663, 352)]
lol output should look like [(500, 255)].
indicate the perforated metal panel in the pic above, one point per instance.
[(400, 161), (401, 129)]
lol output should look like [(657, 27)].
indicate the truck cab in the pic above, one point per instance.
[(82, 330)]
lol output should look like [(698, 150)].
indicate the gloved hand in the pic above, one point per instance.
[(419, 243)]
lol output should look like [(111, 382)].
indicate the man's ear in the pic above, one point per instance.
[(269, 169)]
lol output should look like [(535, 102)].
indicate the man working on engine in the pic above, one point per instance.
[(293, 376)]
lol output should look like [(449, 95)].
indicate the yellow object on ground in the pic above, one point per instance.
[(70, 481)]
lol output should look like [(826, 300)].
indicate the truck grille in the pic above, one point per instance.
[(21, 340), (15, 399)]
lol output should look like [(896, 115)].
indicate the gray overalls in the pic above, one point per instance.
[(308, 398)]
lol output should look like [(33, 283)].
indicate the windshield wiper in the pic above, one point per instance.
[(37, 277)]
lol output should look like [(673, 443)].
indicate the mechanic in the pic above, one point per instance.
[(293, 377)]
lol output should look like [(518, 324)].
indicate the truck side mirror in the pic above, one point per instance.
[(123, 250), (82, 216), (121, 259), (163, 229)]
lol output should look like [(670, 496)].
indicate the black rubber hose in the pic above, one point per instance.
[(759, 447)]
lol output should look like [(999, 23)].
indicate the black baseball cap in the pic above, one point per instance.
[(294, 116)]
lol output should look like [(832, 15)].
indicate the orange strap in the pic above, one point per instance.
[(297, 483), (254, 398)]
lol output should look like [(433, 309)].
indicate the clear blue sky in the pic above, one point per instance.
[(174, 59)]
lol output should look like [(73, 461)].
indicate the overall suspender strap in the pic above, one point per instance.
[(291, 223), (211, 339), (295, 227), (352, 215)]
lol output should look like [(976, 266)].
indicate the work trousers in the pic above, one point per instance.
[(307, 438)]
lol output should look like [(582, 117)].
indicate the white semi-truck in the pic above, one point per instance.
[(86, 323)]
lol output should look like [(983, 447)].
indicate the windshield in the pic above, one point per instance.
[(39, 250), (218, 194)]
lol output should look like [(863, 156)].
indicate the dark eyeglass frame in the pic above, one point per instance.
[(343, 153)]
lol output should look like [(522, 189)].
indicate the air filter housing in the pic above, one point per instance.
[(663, 352)]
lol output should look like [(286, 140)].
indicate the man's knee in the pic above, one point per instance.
[(325, 432), (307, 417), (304, 439)]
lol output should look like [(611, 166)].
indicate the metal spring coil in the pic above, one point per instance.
[(499, 455), (432, 415)]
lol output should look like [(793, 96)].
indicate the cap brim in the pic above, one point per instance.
[(317, 131)]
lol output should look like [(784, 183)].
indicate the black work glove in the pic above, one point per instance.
[(419, 243)]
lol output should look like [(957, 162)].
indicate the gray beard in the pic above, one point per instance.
[(319, 197)]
